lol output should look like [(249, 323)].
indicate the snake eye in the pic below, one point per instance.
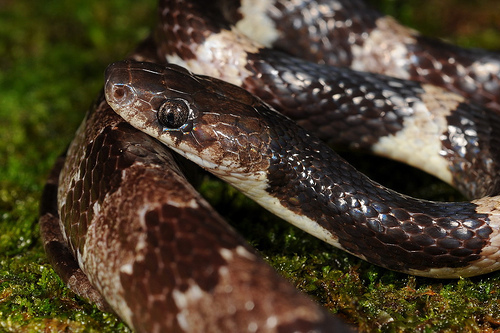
[(173, 114)]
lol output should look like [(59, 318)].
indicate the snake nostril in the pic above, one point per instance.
[(122, 94), (119, 93)]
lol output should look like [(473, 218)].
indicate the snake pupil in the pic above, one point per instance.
[(173, 114)]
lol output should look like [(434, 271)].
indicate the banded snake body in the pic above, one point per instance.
[(119, 189)]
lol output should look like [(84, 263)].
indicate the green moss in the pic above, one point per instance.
[(53, 56)]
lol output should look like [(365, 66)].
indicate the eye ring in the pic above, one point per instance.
[(173, 114)]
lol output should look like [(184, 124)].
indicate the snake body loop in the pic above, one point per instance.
[(296, 176), (124, 229), (351, 34), (389, 116)]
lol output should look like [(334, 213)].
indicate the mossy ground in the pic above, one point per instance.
[(53, 54)]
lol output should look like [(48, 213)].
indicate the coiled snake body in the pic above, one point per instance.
[(124, 228)]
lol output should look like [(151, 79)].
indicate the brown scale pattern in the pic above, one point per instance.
[(457, 69), (331, 102), (341, 106), (472, 145), (388, 229), (303, 27), (428, 60), (98, 177), (127, 173)]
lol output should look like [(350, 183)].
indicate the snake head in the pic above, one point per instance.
[(213, 123)]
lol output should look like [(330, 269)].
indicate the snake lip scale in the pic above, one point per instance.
[(123, 227)]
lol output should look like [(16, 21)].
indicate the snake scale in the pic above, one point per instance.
[(123, 227)]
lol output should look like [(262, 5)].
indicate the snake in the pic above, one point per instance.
[(138, 240), (123, 228)]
